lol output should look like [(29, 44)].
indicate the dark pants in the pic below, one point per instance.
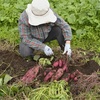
[(55, 34)]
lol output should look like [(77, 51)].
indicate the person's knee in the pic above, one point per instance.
[(24, 50)]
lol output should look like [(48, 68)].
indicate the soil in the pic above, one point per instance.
[(13, 64), (88, 68)]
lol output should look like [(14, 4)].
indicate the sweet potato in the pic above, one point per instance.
[(55, 64), (60, 63), (48, 76), (75, 79), (65, 68), (72, 75), (69, 75), (66, 79), (30, 74), (46, 71), (58, 74)]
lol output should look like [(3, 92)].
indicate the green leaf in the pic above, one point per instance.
[(48, 62), (14, 88), (36, 57), (0, 81), (71, 19), (7, 78), (79, 31), (52, 57)]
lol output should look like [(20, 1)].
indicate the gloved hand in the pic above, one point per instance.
[(48, 51), (67, 49)]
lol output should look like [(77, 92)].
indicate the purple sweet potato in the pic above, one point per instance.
[(58, 74), (60, 62), (30, 74), (65, 68), (46, 71), (63, 62), (66, 79), (36, 70), (72, 75), (55, 64), (75, 79), (48, 76)]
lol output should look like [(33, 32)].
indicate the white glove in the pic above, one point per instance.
[(48, 51), (67, 49)]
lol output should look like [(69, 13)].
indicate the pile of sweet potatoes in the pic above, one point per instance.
[(59, 67), (31, 74), (58, 71)]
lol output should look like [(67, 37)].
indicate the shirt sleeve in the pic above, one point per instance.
[(26, 37), (66, 29)]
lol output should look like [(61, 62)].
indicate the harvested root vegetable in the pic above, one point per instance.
[(65, 68), (63, 61), (60, 62), (73, 75), (46, 71), (48, 76), (31, 74), (55, 64), (58, 74), (75, 79), (66, 79)]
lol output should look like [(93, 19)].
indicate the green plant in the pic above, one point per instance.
[(15, 91), (45, 61), (10, 11), (97, 59), (83, 17), (4, 79), (57, 90)]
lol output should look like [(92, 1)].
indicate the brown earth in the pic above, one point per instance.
[(14, 65)]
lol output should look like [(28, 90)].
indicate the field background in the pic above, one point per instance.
[(83, 17)]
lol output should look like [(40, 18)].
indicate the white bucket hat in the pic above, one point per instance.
[(39, 12)]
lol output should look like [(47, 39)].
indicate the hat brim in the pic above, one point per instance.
[(38, 20)]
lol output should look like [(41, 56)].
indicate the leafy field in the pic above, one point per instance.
[(84, 19)]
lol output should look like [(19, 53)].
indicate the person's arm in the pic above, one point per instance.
[(26, 36), (66, 29), (67, 33)]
